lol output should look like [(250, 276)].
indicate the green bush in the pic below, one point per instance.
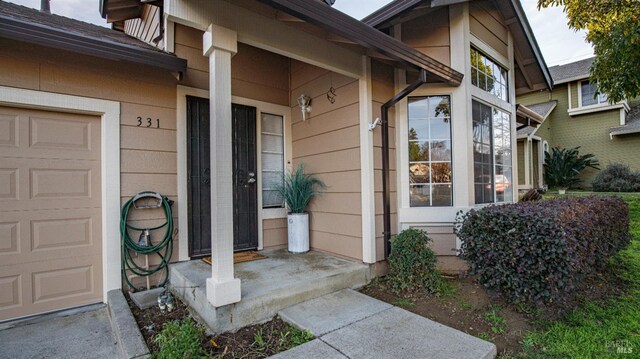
[(412, 264), (180, 339), (562, 166), (617, 177), (537, 252)]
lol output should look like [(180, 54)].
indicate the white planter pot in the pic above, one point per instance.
[(298, 227), (562, 191)]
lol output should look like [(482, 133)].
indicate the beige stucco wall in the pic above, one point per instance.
[(328, 144), (148, 155)]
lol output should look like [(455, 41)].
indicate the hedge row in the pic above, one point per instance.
[(537, 252)]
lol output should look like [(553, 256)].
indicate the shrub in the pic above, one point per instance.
[(537, 252), (563, 166), (180, 339), (617, 177), (412, 264)]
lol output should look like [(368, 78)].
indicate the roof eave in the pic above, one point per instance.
[(344, 25), (51, 37)]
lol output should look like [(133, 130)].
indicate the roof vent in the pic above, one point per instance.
[(330, 2), (44, 6)]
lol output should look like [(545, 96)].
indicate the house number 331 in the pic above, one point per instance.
[(148, 122)]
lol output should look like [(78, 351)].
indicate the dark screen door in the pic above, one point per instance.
[(245, 200), (245, 193), (198, 177)]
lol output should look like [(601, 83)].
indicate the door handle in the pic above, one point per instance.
[(251, 179)]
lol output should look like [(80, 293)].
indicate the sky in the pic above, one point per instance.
[(559, 44)]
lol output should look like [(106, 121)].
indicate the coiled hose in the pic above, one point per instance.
[(163, 248)]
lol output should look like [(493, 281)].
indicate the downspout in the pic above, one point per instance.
[(386, 192)]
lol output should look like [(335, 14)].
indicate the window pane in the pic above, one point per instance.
[(588, 94), (272, 152), (442, 195), (420, 196), (419, 173), (429, 148), (441, 151)]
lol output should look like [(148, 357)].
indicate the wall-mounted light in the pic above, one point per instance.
[(304, 102)]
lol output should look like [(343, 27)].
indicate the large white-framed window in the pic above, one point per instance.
[(430, 159), (492, 154)]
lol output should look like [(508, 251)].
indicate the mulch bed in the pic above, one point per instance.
[(240, 344)]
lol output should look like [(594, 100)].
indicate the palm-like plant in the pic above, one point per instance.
[(563, 166), (299, 188)]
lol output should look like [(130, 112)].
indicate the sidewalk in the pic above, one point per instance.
[(349, 324)]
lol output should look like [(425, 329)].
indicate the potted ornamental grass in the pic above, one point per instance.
[(297, 191)]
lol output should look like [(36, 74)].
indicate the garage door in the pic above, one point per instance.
[(50, 223)]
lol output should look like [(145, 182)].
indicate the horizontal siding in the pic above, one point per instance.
[(429, 34), (274, 232), (328, 143), (486, 23), (148, 155)]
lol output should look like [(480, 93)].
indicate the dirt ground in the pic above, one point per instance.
[(274, 336), (465, 310)]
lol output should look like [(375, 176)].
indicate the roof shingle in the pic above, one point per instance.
[(574, 70)]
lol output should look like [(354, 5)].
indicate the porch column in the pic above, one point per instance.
[(220, 44)]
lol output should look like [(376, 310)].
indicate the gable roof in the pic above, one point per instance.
[(544, 110), (520, 28), (30, 25), (571, 72)]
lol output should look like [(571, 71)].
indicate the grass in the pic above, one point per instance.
[(497, 322), (600, 329), (403, 302)]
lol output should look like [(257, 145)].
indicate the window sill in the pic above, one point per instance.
[(597, 108)]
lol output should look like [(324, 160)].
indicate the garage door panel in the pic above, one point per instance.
[(43, 134), (8, 130), (43, 235), (50, 211), (47, 183), (50, 285)]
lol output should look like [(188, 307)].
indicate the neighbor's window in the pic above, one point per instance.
[(590, 95), (488, 75), (272, 150), (430, 177), (492, 165)]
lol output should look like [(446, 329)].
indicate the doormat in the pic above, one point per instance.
[(241, 257)]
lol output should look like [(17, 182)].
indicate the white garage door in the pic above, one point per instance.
[(50, 223)]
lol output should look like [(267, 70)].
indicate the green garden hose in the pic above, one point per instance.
[(163, 248)]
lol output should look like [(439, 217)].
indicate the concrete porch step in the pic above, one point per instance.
[(349, 324), (268, 286)]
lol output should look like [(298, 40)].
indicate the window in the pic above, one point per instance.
[(272, 151), (492, 164), (590, 96), (488, 75), (430, 176)]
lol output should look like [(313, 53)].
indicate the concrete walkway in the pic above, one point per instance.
[(349, 324), (83, 333)]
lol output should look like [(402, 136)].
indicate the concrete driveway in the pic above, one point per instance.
[(80, 333)]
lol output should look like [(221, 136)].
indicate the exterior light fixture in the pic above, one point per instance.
[(304, 101)]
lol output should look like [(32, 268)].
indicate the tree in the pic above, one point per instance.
[(613, 27)]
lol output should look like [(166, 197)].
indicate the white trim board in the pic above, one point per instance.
[(181, 133), (109, 111)]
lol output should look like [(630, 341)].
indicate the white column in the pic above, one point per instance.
[(366, 165), (220, 44)]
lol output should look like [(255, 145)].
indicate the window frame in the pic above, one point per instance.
[(492, 155), (284, 157), (598, 98), (430, 161), (479, 49)]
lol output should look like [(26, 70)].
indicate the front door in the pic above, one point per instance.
[(245, 221), (245, 194)]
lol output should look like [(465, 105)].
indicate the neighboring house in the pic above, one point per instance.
[(575, 115), (92, 116)]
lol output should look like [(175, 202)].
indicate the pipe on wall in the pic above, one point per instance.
[(386, 192)]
